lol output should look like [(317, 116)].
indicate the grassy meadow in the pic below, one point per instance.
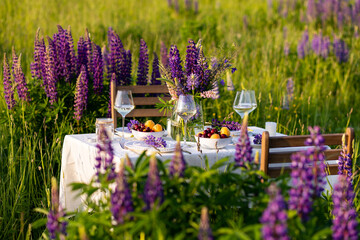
[(326, 93)]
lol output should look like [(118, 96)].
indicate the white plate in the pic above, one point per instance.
[(140, 146), (127, 133)]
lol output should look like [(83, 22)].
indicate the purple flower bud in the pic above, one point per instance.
[(116, 56), (82, 58), (317, 43), (50, 78), (177, 165), (143, 67), (71, 57), (175, 64), (205, 232), (345, 165), (128, 65), (341, 50), (344, 221), (121, 202), (55, 224), (20, 81), (274, 217), (243, 149), (81, 94), (164, 55), (38, 66), (155, 71), (98, 69), (105, 156), (153, 191), (8, 91)]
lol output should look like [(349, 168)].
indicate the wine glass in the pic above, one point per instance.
[(185, 108), (124, 104), (245, 102)]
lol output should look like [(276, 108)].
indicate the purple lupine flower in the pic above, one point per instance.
[(325, 47), (62, 52), (8, 91), (143, 67), (155, 142), (20, 82), (155, 71), (317, 43), (243, 149), (50, 77), (196, 6), (311, 11), (176, 5), (257, 138), (286, 49), (192, 82), (117, 58), (302, 47), (344, 221), (105, 155), (89, 53), (188, 4), (233, 70), (15, 60), (274, 217), (345, 164), (177, 165), (192, 60), (39, 53), (175, 64), (290, 89), (308, 174), (205, 232), (231, 125), (121, 202), (127, 74), (300, 193), (341, 50), (55, 224), (132, 123), (98, 69), (222, 82), (71, 58), (81, 94), (164, 55), (82, 59), (153, 190)]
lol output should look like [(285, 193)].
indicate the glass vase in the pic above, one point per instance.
[(194, 124)]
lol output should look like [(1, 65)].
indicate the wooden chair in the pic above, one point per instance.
[(268, 157), (144, 106)]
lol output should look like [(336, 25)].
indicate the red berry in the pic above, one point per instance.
[(209, 135), (224, 136)]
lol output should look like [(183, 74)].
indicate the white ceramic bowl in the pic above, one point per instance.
[(213, 143), (141, 135)]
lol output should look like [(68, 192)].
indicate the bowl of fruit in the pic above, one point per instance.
[(142, 130), (213, 138)]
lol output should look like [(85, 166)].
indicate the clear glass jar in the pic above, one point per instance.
[(107, 124)]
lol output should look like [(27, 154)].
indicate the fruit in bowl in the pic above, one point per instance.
[(213, 138), (142, 130)]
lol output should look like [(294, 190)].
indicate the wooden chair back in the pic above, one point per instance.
[(144, 106), (268, 157)]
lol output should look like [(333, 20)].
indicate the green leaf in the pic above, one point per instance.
[(39, 223)]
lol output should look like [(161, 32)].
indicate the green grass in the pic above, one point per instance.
[(326, 93)]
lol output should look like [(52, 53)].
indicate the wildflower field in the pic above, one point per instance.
[(302, 58)]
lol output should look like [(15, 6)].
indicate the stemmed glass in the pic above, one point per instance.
[(245, 101), (185, 108), (124, 104)]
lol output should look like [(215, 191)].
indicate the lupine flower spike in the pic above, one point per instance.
[(97, 69), (81, 94), (105, 156), (308, 174), (56, 225), (121, 202), (155, 71), (205, 232), (274, 217), (243, 149), (143, 67), (20, 81), (153, 191), (344, 221), (177, 165), (8, 90)]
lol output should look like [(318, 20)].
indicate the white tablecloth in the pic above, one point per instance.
[(78, 162)]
